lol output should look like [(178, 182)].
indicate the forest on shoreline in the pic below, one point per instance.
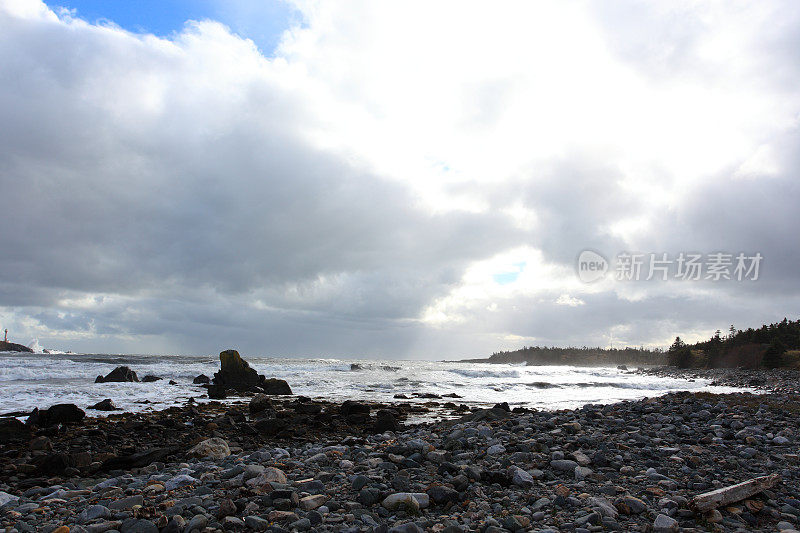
[(769, 346)]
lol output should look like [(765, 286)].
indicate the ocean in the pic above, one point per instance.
[(40, 380)]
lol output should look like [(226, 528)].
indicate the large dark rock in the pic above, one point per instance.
[(217, 392), (504, 406), (350, 408), (63, 413), (260, 402), (118, 375), (276, 386), (12, 429), (105, 405), (13, 347), (201, 379), (52, 463), (235, 372), (150, 378), (495, 413), (385, 421), (139, 459)]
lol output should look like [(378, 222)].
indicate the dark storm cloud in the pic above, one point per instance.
[(173, 196), (196, 196)]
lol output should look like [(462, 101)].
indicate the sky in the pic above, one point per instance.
[(395, 179)]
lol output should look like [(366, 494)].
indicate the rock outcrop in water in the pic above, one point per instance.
[(235, 373), (120, 374), (105, 405), (13, 347), (276, 386)]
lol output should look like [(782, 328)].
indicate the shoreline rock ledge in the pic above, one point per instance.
[(13, 347), (236, 373)]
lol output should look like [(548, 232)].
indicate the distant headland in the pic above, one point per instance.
[(13, 347), (6, 346)]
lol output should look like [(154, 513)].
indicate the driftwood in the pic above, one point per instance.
[(717, 498)]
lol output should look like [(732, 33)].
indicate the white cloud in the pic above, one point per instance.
[(566, 299)]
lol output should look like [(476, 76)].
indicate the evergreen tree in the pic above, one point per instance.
[(773, 357)]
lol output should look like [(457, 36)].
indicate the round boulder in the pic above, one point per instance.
[(214, 448)]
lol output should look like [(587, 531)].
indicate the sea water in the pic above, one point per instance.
[(40, 380)]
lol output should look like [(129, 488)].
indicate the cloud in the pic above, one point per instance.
[(361, 190)]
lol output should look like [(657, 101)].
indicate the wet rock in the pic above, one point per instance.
[(105, 405), (350, 408), (118, 375), (276, 386), (6, 346), (235, 372), (385, 421), (201, 379), (150, 378), (259, 403), (486, 414), (63, 413), (138, 459), (217, 392), (42, 444), (12, 429)]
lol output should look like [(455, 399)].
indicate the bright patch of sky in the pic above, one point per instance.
[(504, 278), (261, 21)]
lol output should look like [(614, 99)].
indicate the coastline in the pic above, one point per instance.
[(320, 466)]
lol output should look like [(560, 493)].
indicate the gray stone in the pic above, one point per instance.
[(180, 481), (664, 524), (6, 497), (255, 523), (408, 527), (563, 465), (126, 503), (93, 512), (197, 523), (520, 477), (132, 525)]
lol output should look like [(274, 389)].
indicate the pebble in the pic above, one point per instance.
[(632, 466)]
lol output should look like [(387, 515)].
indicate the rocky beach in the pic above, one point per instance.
[(280, 462)]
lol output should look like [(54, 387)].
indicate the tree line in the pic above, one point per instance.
[(765, 347), (544, 355)]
